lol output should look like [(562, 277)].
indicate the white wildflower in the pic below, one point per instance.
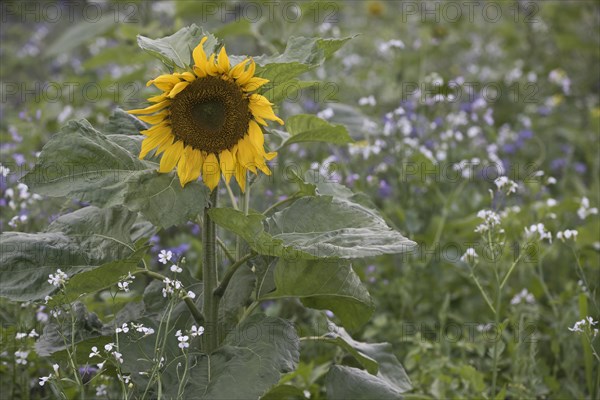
[(118, 356), (175, 268), (101, 390), (523, 296), (326, 113), (123, 329), (191, 294), (183, 341), (21, 357), (584, 209), (164, 256), (567, 234), (95, 352), (490, 220), (44, 379), (59, 279), (470, 256), (538, 230), (367, 101), (196, 331)]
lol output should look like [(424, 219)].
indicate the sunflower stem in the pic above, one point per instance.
[(209, 276)]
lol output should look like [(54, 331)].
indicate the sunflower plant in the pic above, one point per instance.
[(201, 331)]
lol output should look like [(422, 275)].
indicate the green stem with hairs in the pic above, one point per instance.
[(209, 277)]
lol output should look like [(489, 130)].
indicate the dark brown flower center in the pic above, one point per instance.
[(211, 114)]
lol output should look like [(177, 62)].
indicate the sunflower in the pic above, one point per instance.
[(208, 120)]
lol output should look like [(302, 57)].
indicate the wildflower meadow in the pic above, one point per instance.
[(273, 200)]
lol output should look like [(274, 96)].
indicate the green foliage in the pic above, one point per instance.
[(324, 284), (83, 163), (78, 242)]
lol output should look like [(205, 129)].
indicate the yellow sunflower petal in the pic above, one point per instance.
[(157, 98), (227, 164), (188, 76), (260, 164), (211, 66), (223, 61), (171, 157), (240, 176), (210, 171), (178, 88), (164, 82), (154, 141), (245, 154), (256, 136), (199, 55), (236, 71), (271, 155), (189, 165), (161, 128), (151, 109), (156, 118), (200, 73), (248, 74), (262, 108), (254, 83)]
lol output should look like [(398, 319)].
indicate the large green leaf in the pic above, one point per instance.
[(252, 359), (309, 128), (122, 123), (176, 50), (251, 228), (316, 227), (80, 241), (352, 383), (300, 55), (82, 163), (236, 296), (87, 331), (377, 358), (288, 90), (326, 226), (324, 285), (103, 277), (310, 51)]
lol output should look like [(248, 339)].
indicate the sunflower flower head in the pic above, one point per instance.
[(207, 120)]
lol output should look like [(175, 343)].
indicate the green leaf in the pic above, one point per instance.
[(86, 328), (122, 123), (316, 227), (287, 392), (309, 51), (377, 358), (276, 92), (250, 227), (329, 227), (176, 50), (324, 285), (82, 163), (80, 241), (103, 277), (236, 297), (359, 350), (252, 359), (309, 128), (300, 55), (352, 383), (162, 200)]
